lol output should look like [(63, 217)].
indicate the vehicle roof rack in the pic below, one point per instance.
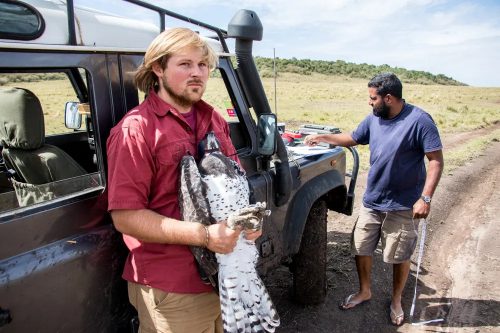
[(76, 26), (222, 34), (162, 12)]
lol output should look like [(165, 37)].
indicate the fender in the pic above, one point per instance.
[(302, 202)]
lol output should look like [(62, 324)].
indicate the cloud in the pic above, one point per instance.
[(457, 38)]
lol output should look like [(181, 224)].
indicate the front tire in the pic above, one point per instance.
[(309, 264)]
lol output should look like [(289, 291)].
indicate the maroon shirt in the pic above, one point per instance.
[(144, 151), (190, 118)]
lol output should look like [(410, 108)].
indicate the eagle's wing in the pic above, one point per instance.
[(194, 207)]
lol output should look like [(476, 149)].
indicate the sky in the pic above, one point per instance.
[(460, 39)]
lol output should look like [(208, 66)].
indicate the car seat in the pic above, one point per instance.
[(22, 135)]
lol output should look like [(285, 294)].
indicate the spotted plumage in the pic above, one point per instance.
[(221, 193), (194, 207)]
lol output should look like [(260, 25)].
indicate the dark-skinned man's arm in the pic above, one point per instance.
[(341, 139), (434, 171)]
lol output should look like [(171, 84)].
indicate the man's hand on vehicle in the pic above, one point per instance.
[(311, 140)]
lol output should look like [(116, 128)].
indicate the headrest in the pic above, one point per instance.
[(21, 119)]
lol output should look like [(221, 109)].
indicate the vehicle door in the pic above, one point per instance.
[(60, 258)]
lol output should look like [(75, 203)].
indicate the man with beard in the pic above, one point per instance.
[(398, 191), (144, 151)]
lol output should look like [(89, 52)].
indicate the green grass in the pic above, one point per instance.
[(472, 149), (330, 100), (343, 102)]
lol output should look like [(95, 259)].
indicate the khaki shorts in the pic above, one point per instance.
[(164, 312), (397, 230)]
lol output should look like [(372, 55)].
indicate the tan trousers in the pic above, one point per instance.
[(397, 230), (175, 313)]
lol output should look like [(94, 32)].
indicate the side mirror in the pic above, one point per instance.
[(72, 117), (267, 130)]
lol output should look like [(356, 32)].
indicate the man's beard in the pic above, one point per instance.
[(381, 111), (184, 99)]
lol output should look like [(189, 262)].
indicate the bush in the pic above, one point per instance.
[(342, 68)]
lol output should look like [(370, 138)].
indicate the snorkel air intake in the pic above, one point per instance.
[(245, 27)]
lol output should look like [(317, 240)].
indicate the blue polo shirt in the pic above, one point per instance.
[(397, 150)]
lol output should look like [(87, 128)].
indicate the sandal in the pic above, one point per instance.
[(349, 303), (397, 319)]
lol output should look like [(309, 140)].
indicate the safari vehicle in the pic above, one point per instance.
[(66, 78)]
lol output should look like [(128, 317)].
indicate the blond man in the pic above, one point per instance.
[(144, 151)]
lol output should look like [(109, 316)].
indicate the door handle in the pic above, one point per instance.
[(5, 317)]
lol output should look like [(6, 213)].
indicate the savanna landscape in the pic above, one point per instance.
[(457, 289), (457, 284), (343, 102)]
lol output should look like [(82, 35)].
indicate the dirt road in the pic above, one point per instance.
[(459, 274)]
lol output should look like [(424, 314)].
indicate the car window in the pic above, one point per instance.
[(52, 89), (19, 21), (42, 159), (217, 96)]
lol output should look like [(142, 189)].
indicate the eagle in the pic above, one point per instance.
[(216, 189)]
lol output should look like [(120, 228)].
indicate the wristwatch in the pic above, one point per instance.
[(427, 199)]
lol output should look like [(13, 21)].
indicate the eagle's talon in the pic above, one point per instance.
[(249, 218)]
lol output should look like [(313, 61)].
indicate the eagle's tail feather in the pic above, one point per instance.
[(246, 306)]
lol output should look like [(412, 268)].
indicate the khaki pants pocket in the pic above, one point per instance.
[(405, 245)]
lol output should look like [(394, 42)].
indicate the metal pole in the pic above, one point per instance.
[(274, 69), (423, 223), (71, 22)]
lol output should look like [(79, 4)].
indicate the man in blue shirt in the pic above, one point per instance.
[(399, 190)]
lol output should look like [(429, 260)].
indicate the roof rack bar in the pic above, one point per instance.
[(162, 21), (71, 22), (222, 34)]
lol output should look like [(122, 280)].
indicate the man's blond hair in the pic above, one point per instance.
[(166, 44)]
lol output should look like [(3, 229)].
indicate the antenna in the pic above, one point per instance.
[(274, 70)]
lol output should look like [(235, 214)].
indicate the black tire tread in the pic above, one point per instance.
[(309, 264)]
